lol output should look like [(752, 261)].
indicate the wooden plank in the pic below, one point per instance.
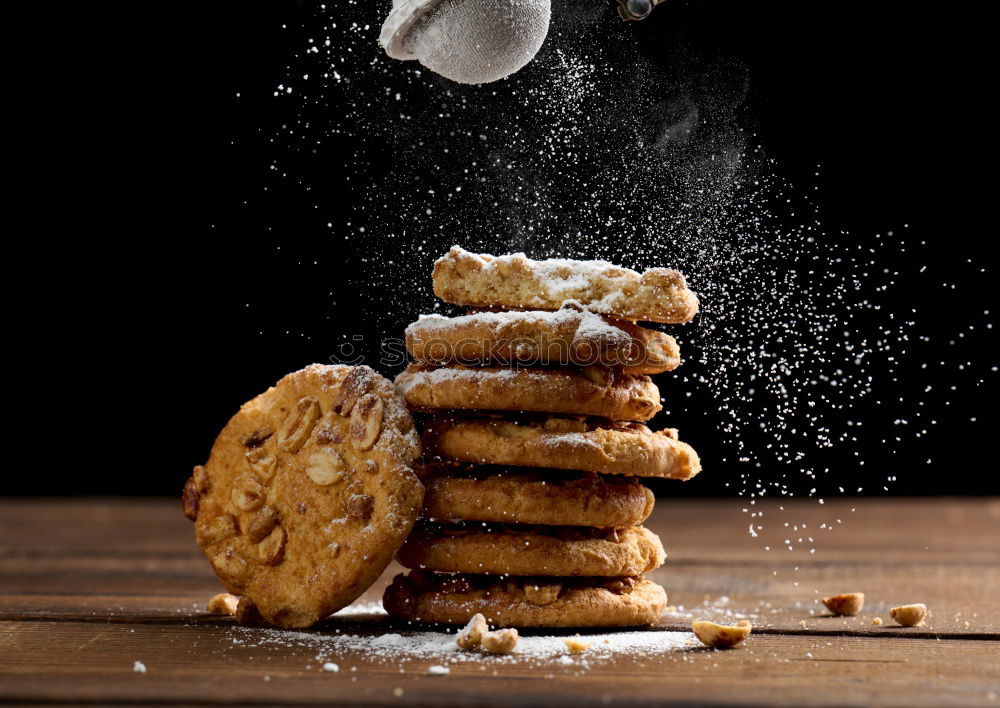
[(136, 559), (210, 664)]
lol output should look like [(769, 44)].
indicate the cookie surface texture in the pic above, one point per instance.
[(308, 492), (591, 391), (532, 550), (525, 602), (515, 281), (569, 499), (629, 449), (571, 335)]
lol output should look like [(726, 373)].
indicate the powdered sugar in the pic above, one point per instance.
[(440, 646), (588, 324), (472, 377)]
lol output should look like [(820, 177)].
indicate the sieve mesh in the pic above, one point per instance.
[(468, 41)]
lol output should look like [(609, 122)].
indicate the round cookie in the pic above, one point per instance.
[(529, 497), (532, 550), (525, 602), (308, 492), (517, 282), (571, 335), (592, 391), (629, 449)]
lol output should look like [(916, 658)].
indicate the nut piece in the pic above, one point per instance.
[(201, 480), (326, 466), (223, 604), (366, 421), (909, 615), (848, 604), (718, 636), (262, 523), (471, 636), (219, 529), (501, 641), (360, 507), (257, 437), (190, 499), (354, 386), (542, 594), (271, 550), (248, 494), (262, 466), (230, 567), (575, 645), (299, 424)]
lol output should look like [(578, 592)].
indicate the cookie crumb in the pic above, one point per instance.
[(331, 667), (398, 692), (718, 636), (877, 620), (438, 670), (501, 641), (472, 634), (846, 604), (576, 645), (139, 667), (909, 615)]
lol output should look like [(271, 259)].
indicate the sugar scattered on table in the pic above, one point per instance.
[(423, 645)]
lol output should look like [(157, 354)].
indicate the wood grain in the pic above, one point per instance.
[(202, 664), (89, 586)]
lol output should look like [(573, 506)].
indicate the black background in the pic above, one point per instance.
[(160, 217)]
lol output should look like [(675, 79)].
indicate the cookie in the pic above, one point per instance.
[(591, 391), (629, 449), (308, 492), (525, 602), (534, 497), (571, 335), (507, 549), (514, 281)]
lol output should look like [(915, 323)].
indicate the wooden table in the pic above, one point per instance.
[(89, 587)]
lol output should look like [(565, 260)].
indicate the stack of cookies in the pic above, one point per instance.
[(534, 440)]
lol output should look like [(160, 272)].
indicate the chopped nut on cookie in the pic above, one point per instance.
[(472, 635), (909, 615), (847, 604), (718, 636), (500, 641)]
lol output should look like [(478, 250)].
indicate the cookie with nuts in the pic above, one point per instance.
[(515, 281), (510, 549), (421, 596), (525, 496), (308, 492), (608, 447), (571, 335), (589, 391)]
